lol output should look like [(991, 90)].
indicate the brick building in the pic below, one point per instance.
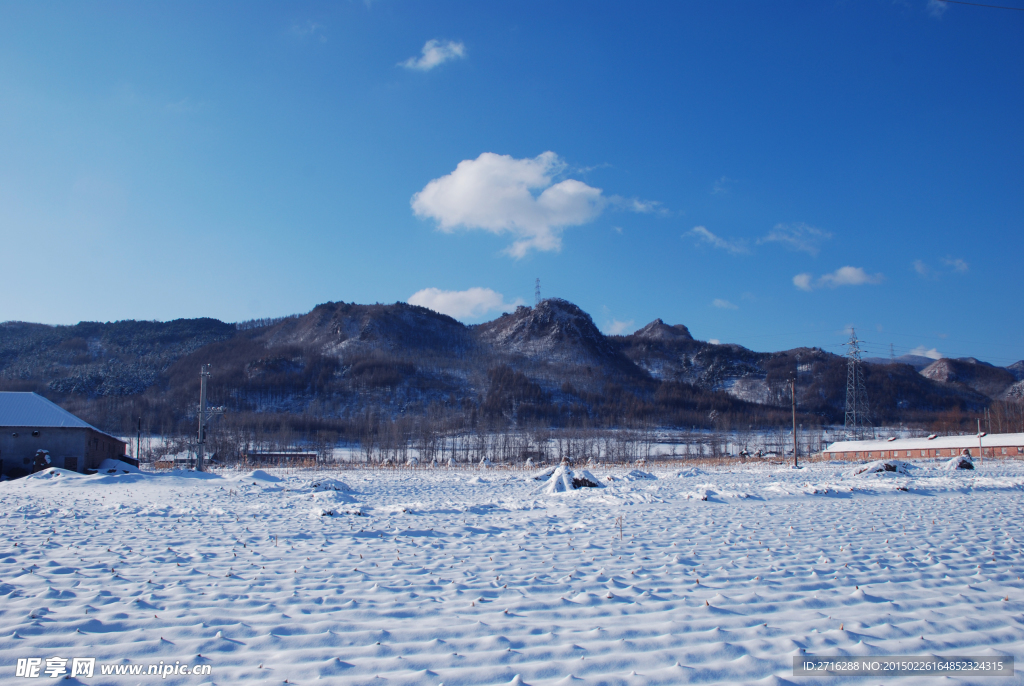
[(988, 445)]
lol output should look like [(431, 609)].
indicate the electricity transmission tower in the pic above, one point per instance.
[(536, 292), (205, 415), (856, 395)]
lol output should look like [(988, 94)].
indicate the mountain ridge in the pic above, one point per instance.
[(341, 359)]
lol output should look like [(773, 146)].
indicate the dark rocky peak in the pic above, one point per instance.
[(660, 331), (974, 360), (804, 355), (944, 370), (983, 378), (918, 362), (554, 327), (337, 327), (1017, 369)]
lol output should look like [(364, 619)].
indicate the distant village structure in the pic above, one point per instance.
[(36, 434), (985, 445)]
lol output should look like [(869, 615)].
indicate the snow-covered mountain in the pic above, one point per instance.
[(343, 359), (980, 376), (918, 362), (554, 330)]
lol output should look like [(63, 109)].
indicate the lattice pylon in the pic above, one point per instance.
[(857, 413)]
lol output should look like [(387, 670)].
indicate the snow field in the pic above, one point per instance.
[(475, 578)]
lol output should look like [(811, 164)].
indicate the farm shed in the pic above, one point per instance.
[(987, 445), (36, 433)]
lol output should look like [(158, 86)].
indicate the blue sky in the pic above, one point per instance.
[(768, 174)]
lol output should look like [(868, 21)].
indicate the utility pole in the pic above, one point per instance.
[(205, 415), (981, 453), (792, 389), (204, 374), (138, 442)]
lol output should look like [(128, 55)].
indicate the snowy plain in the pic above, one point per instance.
[(478, 576)]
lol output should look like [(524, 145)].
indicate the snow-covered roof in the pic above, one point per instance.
[(30, 409), (939, 442)]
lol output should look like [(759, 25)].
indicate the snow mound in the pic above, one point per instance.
[(327, 484), (261, 475), (879, 466), (330, 497), (691, 471), (320, 511), (51, 473), (958, 462), (639, 475), (564, 479), (115, 466), (544, 474)]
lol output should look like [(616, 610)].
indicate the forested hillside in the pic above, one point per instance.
[(345, 371)]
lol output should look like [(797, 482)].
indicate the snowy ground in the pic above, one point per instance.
[(432, 577)]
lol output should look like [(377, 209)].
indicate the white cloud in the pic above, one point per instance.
[(617, 328), (309, 30), (921, 351), (704, 236), (957, 264), (849, 276), (803, 281), (797, 237), (435, 53), (721, 186), (471, 303), (724, 304), (496, 193), (637, 205), (937, 8), (714, 341), (844, 276)]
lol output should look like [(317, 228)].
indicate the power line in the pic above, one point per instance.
[(955, 343), (947, 339), (978, 4), (879, 350), (932, 338)]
